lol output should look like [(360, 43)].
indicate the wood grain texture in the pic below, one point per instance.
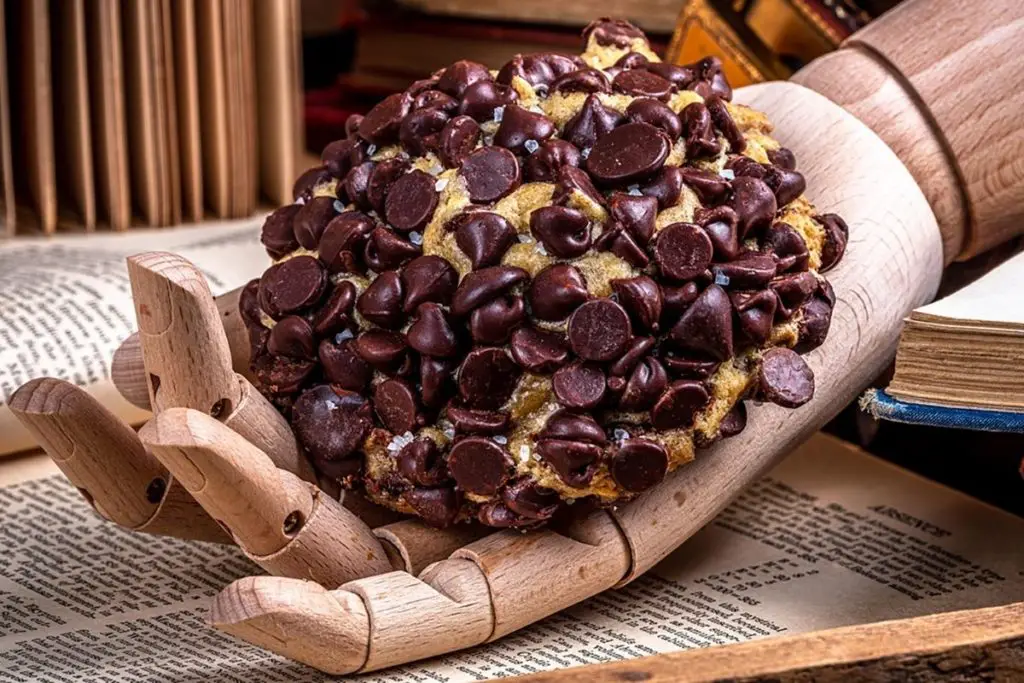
[(972, 645)]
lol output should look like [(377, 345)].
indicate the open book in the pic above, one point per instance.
[(967, 349), (831, 537), (65, 304)]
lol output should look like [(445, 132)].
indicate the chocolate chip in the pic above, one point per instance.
[(385, 250), (814, 324), (380, 125), (485, 422), (519, 125), (658, 114), (438, 507), (381, 302), (722, 225), (599, 330), (484, 237), (706, 325), (331, 423), (571, 179), (487, 378), (785, 378), (679, 75), (787, 246), (479, 465), (754, 204), (382, 177), (293, 337), (724, 122), (574, 462), (743, 166), (352, 125), (751, 270), (341, 155), (635, 214), (435, 99), (483, 97), (278, 235), (435, 381), (640, 83), (539, 351), (583, 80), (793, 291), (734, 422), (356, 184), (481, 286), (616, 32), (639, 347), (709, 80), (342, 366), (494, 322), (630, 153), (618, 241), (281, 374), (641, 298), (343, 240), (395, 404), (698, 131), (682, 251), (311, 219), (532, 70), (692, 366), (639, 464), (579, 385), (787, 185), (411, 201), (428, 278), (666, 187), (566, 425), (563, 231), (676, 299), (837, 234), (524, 497), (591, 122), (291, 286), (755, 312), (431, 334), (310, 178), (543, 164), (382, 349), (421, 463), (783, 158), (458, 138), (711, 188), (499, 516), (678, 406), (490, 173), (459, 76), (645, 385), (249, 303)]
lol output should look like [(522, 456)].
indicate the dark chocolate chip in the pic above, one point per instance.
[(382, 177), (291, 286), (698, 131), (563, 231), (621, 243), (385, 250), (679, 75), (411, 201), (431, 334), (490, 173), (343, 241), (569, 426), (574, 462), (613, 32), (658, 114), (479, 465), (793, 291), (336, 314), (458, 138), (579, 385), (722, 225), (788, 247), (645, 385), (438, 507), (711, 188), (485, 422), (420, 462), (814, 324), (709, 79), (352, 125), (428, 278), (837, 234), (743, 166), (435, 381), (734, 422), (632, 60), (420, 132), (459, 76), (787, 185), (380, 125), (641, 298), (533, 71), (543, 164), (755, 312), (381, 302), (754, 204), (341, 155), (584, 80), (591, 122), (278, 234), (395, 403), (539, 351), (309, 179), (706, 325), (311, 219), (639, 464), (527, 499), (631, 152), (483, 97), (281, 374), (640, 83), (724, 122), (382, 349), (495, 321), (435, 99), (678, 406), (785, 378), (752, 270), (293, 337), (499, 516), (690, 366), (676, 299), (599, 330), (484, 237), (331, 423), (666, 186), (481, 286), (783, 158), (342, 366), (518, 126), (487, 378), (356, 184), (639, 347), (683, 251), (571, 179), (249, 303), (635, 213)]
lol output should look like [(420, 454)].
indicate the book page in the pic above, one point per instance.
[(990, 301), (831, 537), (65, 304)]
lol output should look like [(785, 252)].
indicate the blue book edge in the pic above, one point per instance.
[(882, 406)]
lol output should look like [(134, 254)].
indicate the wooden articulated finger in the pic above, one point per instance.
[(106, 461), (284, 524), (188, 358), (128, 370), (412, 545)]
